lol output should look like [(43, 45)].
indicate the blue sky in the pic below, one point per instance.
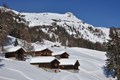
[(104, 13)]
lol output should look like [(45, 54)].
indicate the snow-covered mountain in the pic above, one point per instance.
[(70, 23), (66, 29)]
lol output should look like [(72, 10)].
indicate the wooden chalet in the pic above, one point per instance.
[(42, 52), (45, 62), (69, 64), (60, 55), (15, 53)]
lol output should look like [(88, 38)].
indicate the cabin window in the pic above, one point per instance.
[(55, 64), (62, 66)]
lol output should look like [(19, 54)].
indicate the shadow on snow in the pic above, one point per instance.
[(108, 73)]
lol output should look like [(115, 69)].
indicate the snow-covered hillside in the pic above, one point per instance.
[(91, 65), (70, 23)]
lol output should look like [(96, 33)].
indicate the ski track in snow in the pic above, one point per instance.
[(4, 78), (91, 62), (72, 74), (90, 74), (20, 73), (66, 76)]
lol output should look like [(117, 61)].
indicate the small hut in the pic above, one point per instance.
[(45, 62), (69, 64), (42, 52), (16, 52), (60, 55)]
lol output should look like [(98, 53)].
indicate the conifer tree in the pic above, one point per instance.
[(113, 52)]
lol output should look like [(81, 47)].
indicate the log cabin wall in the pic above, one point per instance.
[(77, 64), (74, 67), (20, 54), (45, 65), (8, 55), (55, 64), (66, 66), (52, 65), (46, 52), (38, 53), (64, 55)]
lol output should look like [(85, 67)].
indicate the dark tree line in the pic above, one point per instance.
[(113, 52), (6, 23), (12, 24), (62, 37)]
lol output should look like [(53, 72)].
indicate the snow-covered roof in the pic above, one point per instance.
[(14, 49), (67, 61), (58, 53), (40, 49), (42, 59)]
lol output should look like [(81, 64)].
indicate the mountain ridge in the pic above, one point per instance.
[(63, 28), (68, 20)]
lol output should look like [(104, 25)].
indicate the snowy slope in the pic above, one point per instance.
[(70, 23), (37, 19), (91, 63)]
